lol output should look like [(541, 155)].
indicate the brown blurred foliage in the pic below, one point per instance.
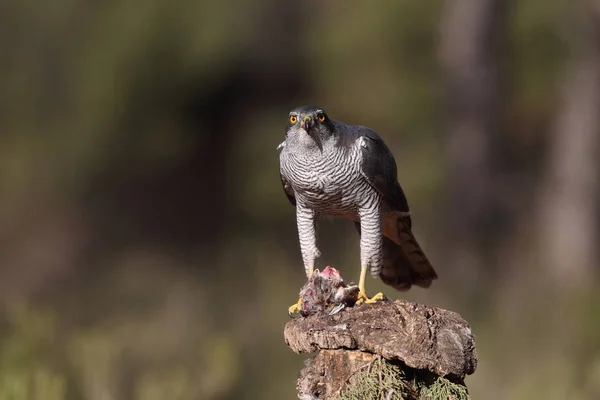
[(148, 252)]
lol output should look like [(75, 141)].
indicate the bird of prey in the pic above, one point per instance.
[(332, 169)]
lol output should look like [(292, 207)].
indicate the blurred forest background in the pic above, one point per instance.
[(147, 250)]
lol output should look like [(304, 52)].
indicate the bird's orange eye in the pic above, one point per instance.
[(321, 117), (293, 119)]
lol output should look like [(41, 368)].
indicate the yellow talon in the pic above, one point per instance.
[(295, 308), (362, 294), (363, 298)]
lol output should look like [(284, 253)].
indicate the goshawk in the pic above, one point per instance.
[(329, 168)]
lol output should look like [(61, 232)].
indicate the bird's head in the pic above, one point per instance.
[(309, 124)]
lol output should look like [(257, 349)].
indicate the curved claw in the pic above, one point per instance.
[(294, 309), (336, 309), (363, 299)]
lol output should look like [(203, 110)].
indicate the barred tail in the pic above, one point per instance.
[(404, 263)]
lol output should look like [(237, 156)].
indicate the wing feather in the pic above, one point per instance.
[(379, 169), (289, 192)]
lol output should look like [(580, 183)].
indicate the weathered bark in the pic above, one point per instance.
[(414, 337)]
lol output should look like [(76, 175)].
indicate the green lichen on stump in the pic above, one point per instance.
[(382, 379), (442, 388), (378, 380)]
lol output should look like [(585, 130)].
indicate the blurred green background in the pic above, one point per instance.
[(147, 250)]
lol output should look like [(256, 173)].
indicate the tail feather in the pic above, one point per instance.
[(404, 263)]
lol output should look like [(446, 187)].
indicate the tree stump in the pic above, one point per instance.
[(387, 350)]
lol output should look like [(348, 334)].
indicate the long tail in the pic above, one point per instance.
[(404, 263)]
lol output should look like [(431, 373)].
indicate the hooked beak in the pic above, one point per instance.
[(307, 123)]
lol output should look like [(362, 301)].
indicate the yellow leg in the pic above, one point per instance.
[(362, 294), (295, 308)]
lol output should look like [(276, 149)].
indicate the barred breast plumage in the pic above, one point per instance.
[(329, 181)]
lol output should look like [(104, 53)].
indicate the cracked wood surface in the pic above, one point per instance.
[(422, 337)]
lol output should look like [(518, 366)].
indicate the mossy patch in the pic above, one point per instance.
[(386, 380)]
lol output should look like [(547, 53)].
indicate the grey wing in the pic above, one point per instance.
[(289, 192), (404, 262), (379, 169)]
